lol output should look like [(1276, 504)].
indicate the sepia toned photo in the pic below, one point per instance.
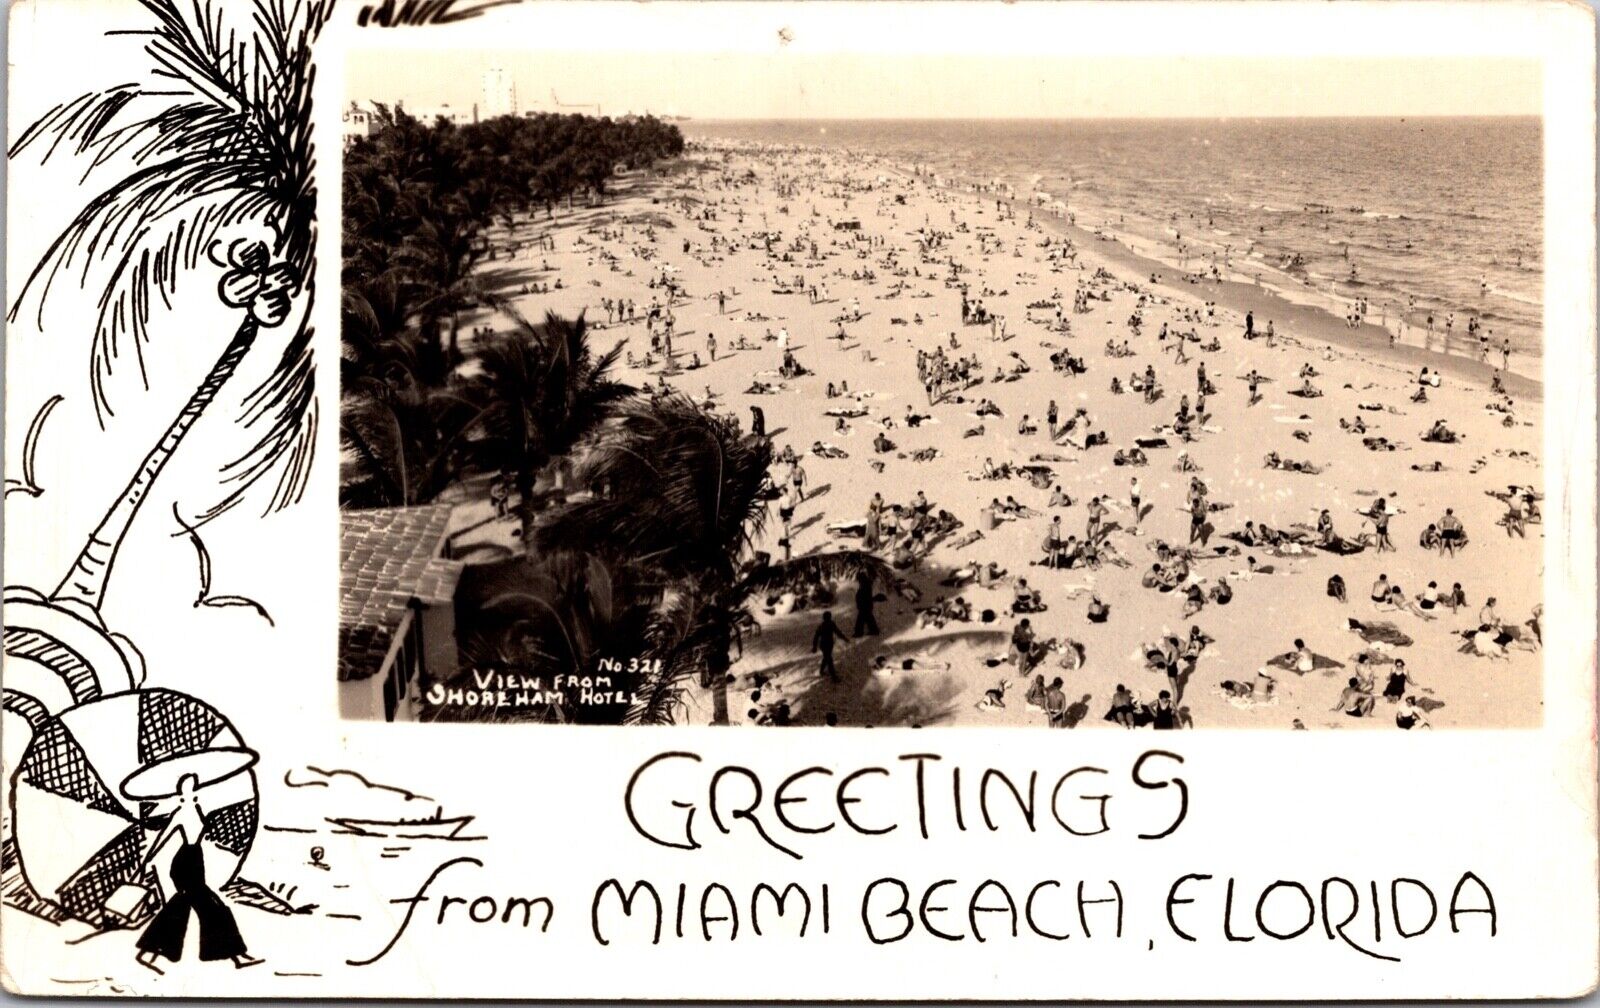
[(1068, 392)]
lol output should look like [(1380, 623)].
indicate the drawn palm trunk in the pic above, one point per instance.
[(218, 139), (92, 569)]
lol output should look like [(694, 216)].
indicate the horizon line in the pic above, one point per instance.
[(1116, 118), (1008, 118)]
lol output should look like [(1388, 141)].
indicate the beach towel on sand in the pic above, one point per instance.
[(1319, 662), (1380, 630), (1343, 547)]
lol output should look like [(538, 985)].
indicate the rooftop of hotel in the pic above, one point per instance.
[(389, 558)]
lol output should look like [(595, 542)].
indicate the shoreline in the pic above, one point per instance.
[(1308, 321), (1331, 296)]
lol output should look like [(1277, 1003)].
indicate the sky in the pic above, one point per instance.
[(800, 84)]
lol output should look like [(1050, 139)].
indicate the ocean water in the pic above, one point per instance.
[(1417, 216)]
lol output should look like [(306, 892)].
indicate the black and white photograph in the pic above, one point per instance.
[(1113, 394)]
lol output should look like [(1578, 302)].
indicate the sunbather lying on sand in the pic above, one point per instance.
[(882, 666), (943, 611), (1273, 461)]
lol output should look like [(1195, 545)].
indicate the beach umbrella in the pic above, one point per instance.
[(80, 837), (74, 693)]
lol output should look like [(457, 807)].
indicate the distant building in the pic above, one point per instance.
[(429, 114), (396, 609), (360, 118), (357, 122), (499, 93)]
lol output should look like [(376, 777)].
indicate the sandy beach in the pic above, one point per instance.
[(800, 241)]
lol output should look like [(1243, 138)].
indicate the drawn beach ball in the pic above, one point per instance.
[(79, 839)]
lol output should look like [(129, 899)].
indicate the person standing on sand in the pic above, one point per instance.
[(1054, 544), (1097, 512), (189, 892), (1516, 517), (1199, 508), (1021, 654), (827, 632), (1451, 532), (873, 536), (758, 422), (866, 623), (1133, 498), (1055, 704), (1380, 522), (1505, 355), (1249, 325)]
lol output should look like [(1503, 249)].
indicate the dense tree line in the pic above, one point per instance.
[(419, 199)]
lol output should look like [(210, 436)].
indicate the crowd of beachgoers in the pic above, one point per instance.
[(1107, 497)]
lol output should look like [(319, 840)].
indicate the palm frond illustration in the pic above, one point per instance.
[(29, 484), (203, 555), (217, 141)]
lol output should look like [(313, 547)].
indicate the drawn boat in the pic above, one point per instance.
[(433, 827)]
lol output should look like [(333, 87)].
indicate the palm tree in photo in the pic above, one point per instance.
[(217, 143), (680, 491), (542, 389), (376, 337), (443, 252), (552, 614), (402, 445)]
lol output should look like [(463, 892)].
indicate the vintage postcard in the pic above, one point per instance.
[(434, 426)]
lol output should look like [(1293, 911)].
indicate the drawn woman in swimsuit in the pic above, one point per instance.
[(190, 893)]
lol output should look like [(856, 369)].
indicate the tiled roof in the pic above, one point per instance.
[(388, 557)]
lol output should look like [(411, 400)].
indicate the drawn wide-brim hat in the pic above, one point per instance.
[(160, 779)]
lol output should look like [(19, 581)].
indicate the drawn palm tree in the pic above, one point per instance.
[(216, 141)]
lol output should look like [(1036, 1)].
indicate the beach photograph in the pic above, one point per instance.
[(1075, 392)]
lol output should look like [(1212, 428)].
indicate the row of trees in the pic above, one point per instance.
[(419, 200), (656, 562)]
